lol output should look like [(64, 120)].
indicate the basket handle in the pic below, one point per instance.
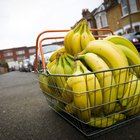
[(39, 43)]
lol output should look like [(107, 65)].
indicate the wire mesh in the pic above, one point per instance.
[(82, 110)]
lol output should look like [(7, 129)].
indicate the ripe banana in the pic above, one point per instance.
[(102, 122), (44, 85), (70, 60), (52, 79), (85, 39), (59, 69), (118, 116), (50, 64), (80, 97), (91, 37), (105, 77), (75, 42), (40, 79), (67, 41), (93, 90), (68, 38), (67, 67), (67, 95), (122, 41), (133, 59), (113, 58), (53, 56), (70, 108), (132, 90), (133, 107)]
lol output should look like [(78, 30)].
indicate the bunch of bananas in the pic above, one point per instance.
[(96, 80), (77, 39)]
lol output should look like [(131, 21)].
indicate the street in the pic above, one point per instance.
[(25, 114)]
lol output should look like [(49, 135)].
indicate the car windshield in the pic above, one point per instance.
[(50, 48), (26, 60), (137, 34), (129, 36)]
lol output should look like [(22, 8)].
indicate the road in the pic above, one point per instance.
[(25, 115)]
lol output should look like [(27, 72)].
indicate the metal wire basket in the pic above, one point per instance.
[(105, 120)]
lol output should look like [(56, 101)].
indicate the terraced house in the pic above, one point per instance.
[(122, 16)]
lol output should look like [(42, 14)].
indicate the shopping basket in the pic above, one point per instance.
[(95, 126)]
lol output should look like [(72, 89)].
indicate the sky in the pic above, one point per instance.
[(22, 20)]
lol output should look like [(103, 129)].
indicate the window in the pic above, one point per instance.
[(9, 60), (101, 20), (133, 6), (128, 30), (98, 22), (104, 21), (89, 24), (20, 58), (124, 7), (137, 28), (32, 50), (131, 3), (8, 53), (20, 52)]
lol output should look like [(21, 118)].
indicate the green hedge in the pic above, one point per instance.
[(4, 64)]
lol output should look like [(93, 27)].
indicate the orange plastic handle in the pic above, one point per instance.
[(39, 42)]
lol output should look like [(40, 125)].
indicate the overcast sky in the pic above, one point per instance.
[(22, 20)]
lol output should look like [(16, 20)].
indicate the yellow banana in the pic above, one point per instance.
[(133, 59), (105, 77), (53, 56), (44, 85), (122, 41), (118, 108), (67, 41), (70, 108), (133, 109), (52, 79), (91, 37), (93, 90), (50, 64), (132, 90), (118, 116), (67, 95), (67, 67), (68, 38), (70, 59), (101, 122), (80, 97), (40, 79), (75, 42), (59, 69), (85, 39), (113, 58)]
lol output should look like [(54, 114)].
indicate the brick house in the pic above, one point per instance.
[(17, 54), (121, 16)]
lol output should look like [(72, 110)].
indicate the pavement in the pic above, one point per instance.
[(25, 114)]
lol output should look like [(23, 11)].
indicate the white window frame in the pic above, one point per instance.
[(100, 21), (104, 20)]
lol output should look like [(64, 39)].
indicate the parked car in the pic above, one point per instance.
[(24, 65), (134, 38), (31, 63), (48, 51)]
